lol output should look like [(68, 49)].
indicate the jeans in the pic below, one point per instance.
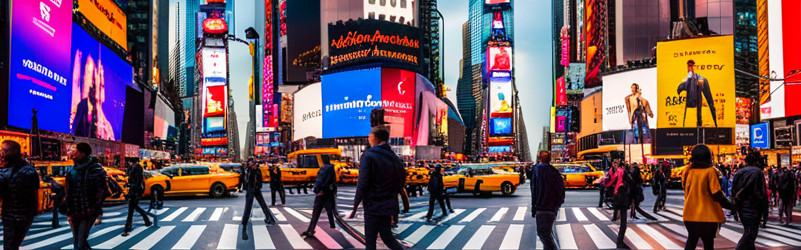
[(133, 204), (438, 198), (280, 190), (621, 232), (375, 225), (545, 221), (80, 232), (14, 230), (706, 231), (249, 206), (603, 192), (750, 231), (326, 200), (786, 208)]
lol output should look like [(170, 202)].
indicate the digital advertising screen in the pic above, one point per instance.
[(772, 95), (108, 18), (348, 98), (500, 149), (499, 58), (500, 126), (40, 78), (369, 40), (791, 33), (214, 62), (501, 103), (213, 126), (760, 135), (308, 114), (627, 99), (698, 78), (743, 112), (742, 135), (397, 94), (595, 41), (574, 80), (215, 99), (561, 92)]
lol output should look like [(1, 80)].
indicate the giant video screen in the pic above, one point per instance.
[(397, 95), (630, 99), (500, 101), (348, 99), (499, 58)]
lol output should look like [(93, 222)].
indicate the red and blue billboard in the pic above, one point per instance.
[(348, 99)]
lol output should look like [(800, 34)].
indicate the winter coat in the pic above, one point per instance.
[(326, 180), (381, 178), (435, 184), (275, 178), (86, 190), (547, 188), (136, 180), (253, 180), (19, 185), (636, 187), (749, 194), (622, 182)]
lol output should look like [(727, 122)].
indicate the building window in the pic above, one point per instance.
[(403, 4), (402, 20), (371, 1), (382, 17), (371, 15), (393, 3), (392, 19), (383, 3)]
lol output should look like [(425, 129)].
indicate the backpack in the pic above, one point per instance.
[(786, 182)]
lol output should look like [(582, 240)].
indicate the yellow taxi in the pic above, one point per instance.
[(59, 169), (155, 182), (483, 179), (191, 179), (304, 165), (578, 174), (676, 174), (416, 176), (349, 174), (508, 167)]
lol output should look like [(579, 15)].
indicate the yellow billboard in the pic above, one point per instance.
[(695, 74), (108, 18)]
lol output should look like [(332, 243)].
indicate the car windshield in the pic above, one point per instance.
[(149, 174), (573, 168)]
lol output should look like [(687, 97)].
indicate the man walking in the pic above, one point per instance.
[(749, 197), (787, 187), (136, 187), (547, 195), (57, 196), (661, 174), (253, 187), (435, 190), (325, 192), (19, 184), (381, 178), (275, 184), (86, 190)]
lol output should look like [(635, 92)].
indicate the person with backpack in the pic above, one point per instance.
[(435, 188), (786, 188), (87, 188), (325, 191), (703, 199), (749, 198)]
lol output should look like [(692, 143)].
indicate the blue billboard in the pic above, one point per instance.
[(348, 98), (760, 135), (500, 126)]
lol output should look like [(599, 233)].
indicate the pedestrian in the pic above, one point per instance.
[(619, 184), (241, 185), (19, 185), (381, 178), (325, 191), (703, 199), (57, 193), (136, 187), (253, 190), (86, 190), (547, 195), (786, 187), (435, 190), (749, 198), (659, 186), (637, 195), (602, 186), (772, 185), (276, 186)]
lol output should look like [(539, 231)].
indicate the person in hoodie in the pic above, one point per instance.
[(547, 195), (136, 183), (750, 198), (86, 190), (325, 191), (436, 188), (253, 187), (619, 184), (703, 199), (19, 185)]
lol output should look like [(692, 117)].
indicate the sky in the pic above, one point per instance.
[(532, 45)]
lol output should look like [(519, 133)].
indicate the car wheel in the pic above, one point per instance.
[(217, 190), (506, 189)]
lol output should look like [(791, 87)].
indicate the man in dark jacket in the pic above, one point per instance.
[(325, 195), (136, 187), (275, 184), (787, 186), (381, 177), (86, 190), (19, 185), (547, 195), (253, 189), (749, 198), (435, 189), (57, 196), (661, 173)]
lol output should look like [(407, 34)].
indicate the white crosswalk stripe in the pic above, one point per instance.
[(119, 239), (217, 214), (294, 238), (472, 216), (419, 234), (598, 213), (513, 237), (634, 237), (446, 237), (326, 239), (99, 233), (520, 214), (456, 212), (499, 215), (579, 215), (297, 215), (48, 242), (153, 238), (561, 216), (479, 237), (45, 233), (190, 237), (278, 215), (401, 228), (262, 238), (659, 237), (229, 236), (598, 237), (193, 216), (565, 235), (175, 214), (416, 216)]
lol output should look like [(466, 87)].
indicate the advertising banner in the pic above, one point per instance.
[(500, 126), (742, 110), (107, 17), (308, 113), (214, 63), (499, 59), (39, 77), (742, 134), (772, 95), (627, 98), (791, 32), (698, 78), (268, 86), (595, 23), (574, 80), (492, 2), (397, 95), (561, 92), (760, 135), (348, 100), (501, 103), (371, 40), (215, 99)]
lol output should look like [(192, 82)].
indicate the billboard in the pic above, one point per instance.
[(595, 23), (163, 119), (308, 114), (107, 17), (368, 40), (303, 43), (499, 58), (561, 92), (397, 97), (742, 135), (791, 34), (627, 98), (697, 78), (268, 86), (493, 2), (214, 62), (348, 100), (772, 101), (742, 110), (500, 126), (500, 101), (574, 80), (215, 99), (760, 135), (214, 103)]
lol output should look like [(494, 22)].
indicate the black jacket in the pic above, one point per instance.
[(19, 185), (275, 177), (381, 178), (253, 179), (136, 180), (326, 180), (547, 188), (748, 192), (86, 190), (435, 184)]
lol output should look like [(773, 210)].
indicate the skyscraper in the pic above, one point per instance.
[(429, 24), (192, 6), (464, 88)]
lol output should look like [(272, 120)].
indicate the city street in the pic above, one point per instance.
[(477, 223)]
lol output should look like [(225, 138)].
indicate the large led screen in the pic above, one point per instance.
[(491, 2), (214, 62), (699, 77), (500, 126), (501, 103), (308, 113), (499, 59), (214, 101), (348, 99), (397, 94), (630, 97), (791, 10), (107, 17), (772, 101)]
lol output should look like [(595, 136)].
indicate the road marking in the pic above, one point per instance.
[(46, 233), (190, 237), (98, 233), (326, 239), (598, 237), (513, 236), (598, 213), (297, 215), (456, 212), (49, 241), (780, 239), (565, 234), (228, 237), (472, 216), (520, 214), (278, 215), (262, 238), (562, 216), (634, 237), (153, 238), (193, 216), (781, 232), (215, 216), (579, 215), (161, 211), (659, 237), (111, 214), (499, 215), (446, 237), (674, 217), (419, 234), (676, 228), (416, 216), (480, 237), (401, 227), (175, 214), (119, 239), (293, 237)]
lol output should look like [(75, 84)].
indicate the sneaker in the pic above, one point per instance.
[(244, 233), (148, 223), (307, 234), (269, 222), (450, 211)]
